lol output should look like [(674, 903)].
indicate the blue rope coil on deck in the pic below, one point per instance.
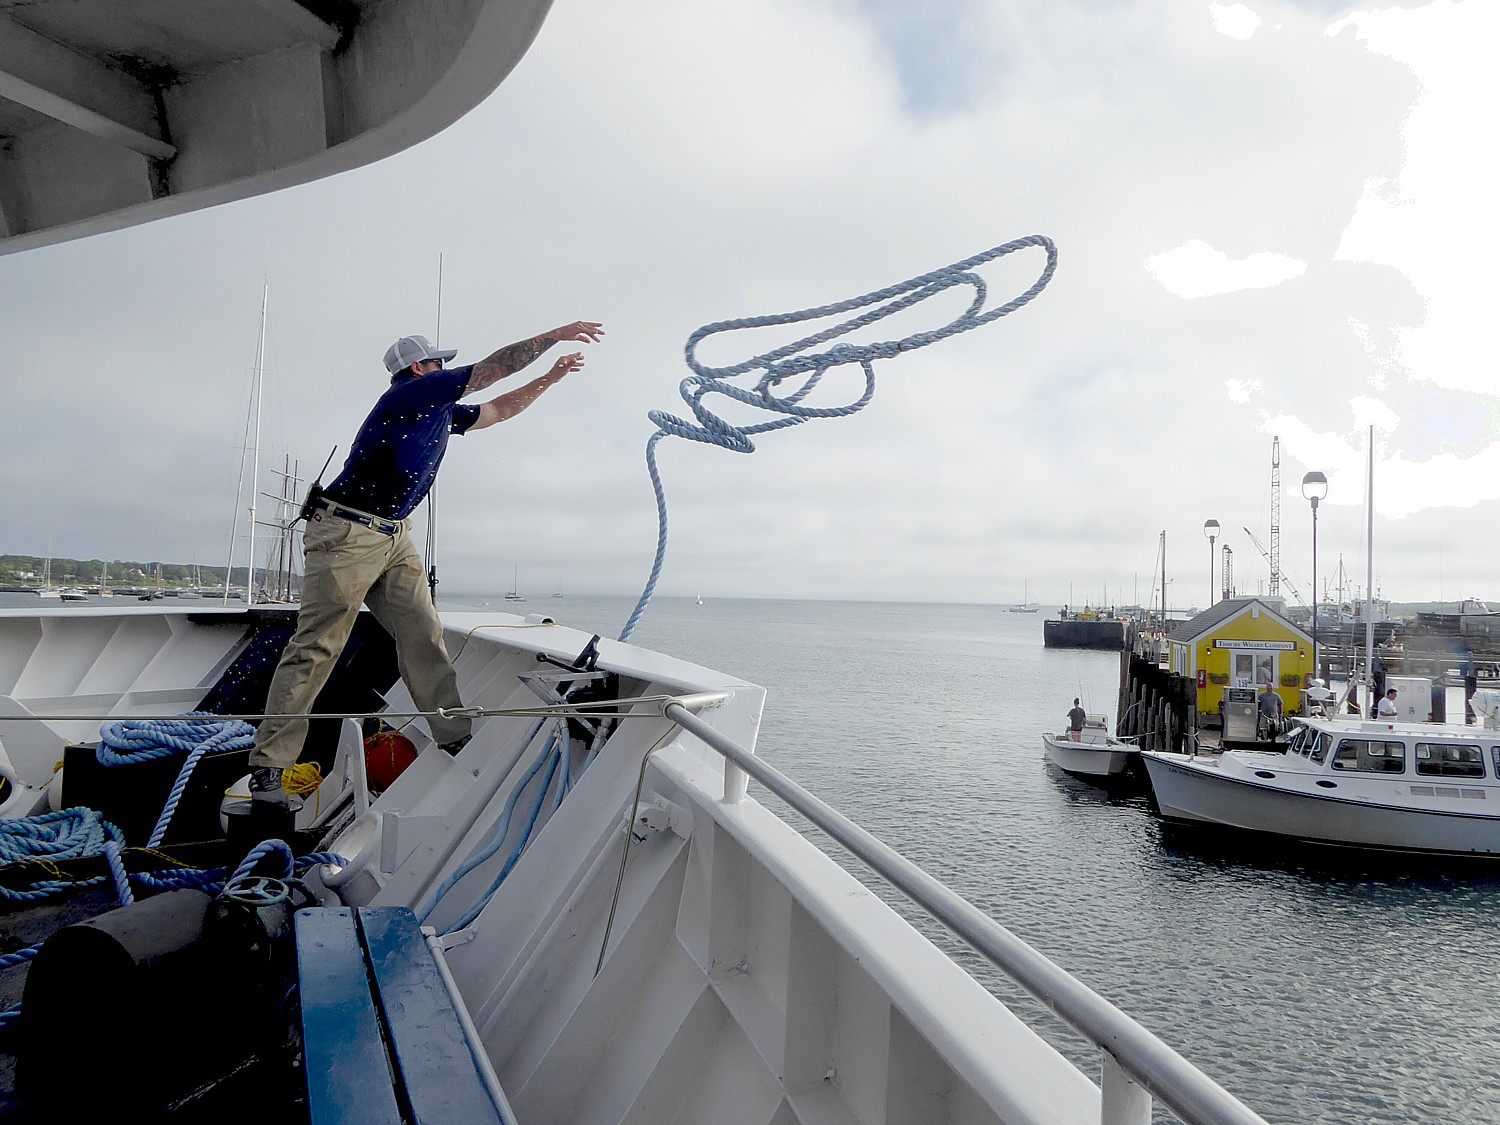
[(67, 834), (80, 833), (51, 838), (129, 741), (800, 358), (259, 852)]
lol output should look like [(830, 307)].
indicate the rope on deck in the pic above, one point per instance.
[(130, 741)]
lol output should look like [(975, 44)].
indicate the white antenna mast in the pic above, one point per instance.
[(260, 364), (431, 559)]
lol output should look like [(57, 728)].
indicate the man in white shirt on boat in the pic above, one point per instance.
[(1386, 709), (358, 549)]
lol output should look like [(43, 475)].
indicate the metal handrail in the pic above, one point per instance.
[(1144, 1059)]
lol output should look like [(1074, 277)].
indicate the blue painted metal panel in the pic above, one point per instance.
[(348, 1072), (442, 1079)]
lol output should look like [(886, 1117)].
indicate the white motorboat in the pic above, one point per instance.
[(1416, 787), (1094, 753)]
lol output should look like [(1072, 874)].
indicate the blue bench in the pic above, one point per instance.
[(382, 1040)]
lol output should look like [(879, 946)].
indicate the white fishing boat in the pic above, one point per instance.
[(1095, 753), (1402, 786)]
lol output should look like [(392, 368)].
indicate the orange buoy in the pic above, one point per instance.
[(387, 754)]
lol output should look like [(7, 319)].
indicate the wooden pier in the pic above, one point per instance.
[(1156, 708)]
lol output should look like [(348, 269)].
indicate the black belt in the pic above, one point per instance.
[(354, 515)]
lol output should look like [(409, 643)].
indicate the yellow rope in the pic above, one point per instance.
[(161, 855), (471, 632), (302, 779)]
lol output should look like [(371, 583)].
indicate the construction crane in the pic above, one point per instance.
[(1259, 546), (1274, 557)]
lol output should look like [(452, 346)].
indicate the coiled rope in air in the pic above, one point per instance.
[(801, 359), (129, 741)]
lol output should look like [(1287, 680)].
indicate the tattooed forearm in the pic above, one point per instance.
[(507, 361)]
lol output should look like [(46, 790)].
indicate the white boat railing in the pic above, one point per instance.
[(1136, 1064)]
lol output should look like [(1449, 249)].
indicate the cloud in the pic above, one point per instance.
[(1241, 391), (1195, 269), (1234, 20), (662, 165)]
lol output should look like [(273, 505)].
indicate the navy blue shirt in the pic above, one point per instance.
[(396, 454)]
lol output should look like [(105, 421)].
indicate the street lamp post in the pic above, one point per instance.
[(1211, 529), (1314, 488)]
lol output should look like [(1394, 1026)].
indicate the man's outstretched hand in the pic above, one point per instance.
[(566, 365), (579, 332)]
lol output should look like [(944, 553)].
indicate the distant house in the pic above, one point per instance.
[(1241, 643)]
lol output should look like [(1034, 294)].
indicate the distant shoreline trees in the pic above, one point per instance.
[(26, 570)]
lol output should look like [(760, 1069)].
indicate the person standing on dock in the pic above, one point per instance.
[(1075, 722), (358, 549), (1270, 707)]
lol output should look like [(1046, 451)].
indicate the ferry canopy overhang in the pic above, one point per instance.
[(113, 114)]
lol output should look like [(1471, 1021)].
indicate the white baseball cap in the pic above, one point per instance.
[(413, 349)]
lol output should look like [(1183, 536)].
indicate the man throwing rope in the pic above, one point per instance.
[(358, 549)]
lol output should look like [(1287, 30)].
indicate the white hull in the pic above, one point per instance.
[(743, 966), (1106, 758), (1420, 815)]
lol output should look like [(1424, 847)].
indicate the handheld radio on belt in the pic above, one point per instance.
[(315, 490)]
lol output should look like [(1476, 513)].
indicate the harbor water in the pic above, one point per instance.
[(1319, 987)]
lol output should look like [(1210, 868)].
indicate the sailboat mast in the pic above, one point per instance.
[(1370, 564), (1164, 582), (260, 361)]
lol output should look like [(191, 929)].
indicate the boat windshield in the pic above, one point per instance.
[(1309, 743)]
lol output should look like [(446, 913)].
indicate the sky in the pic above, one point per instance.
[(1272, 220)]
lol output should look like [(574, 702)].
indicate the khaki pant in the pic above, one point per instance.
[(347, 564)]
